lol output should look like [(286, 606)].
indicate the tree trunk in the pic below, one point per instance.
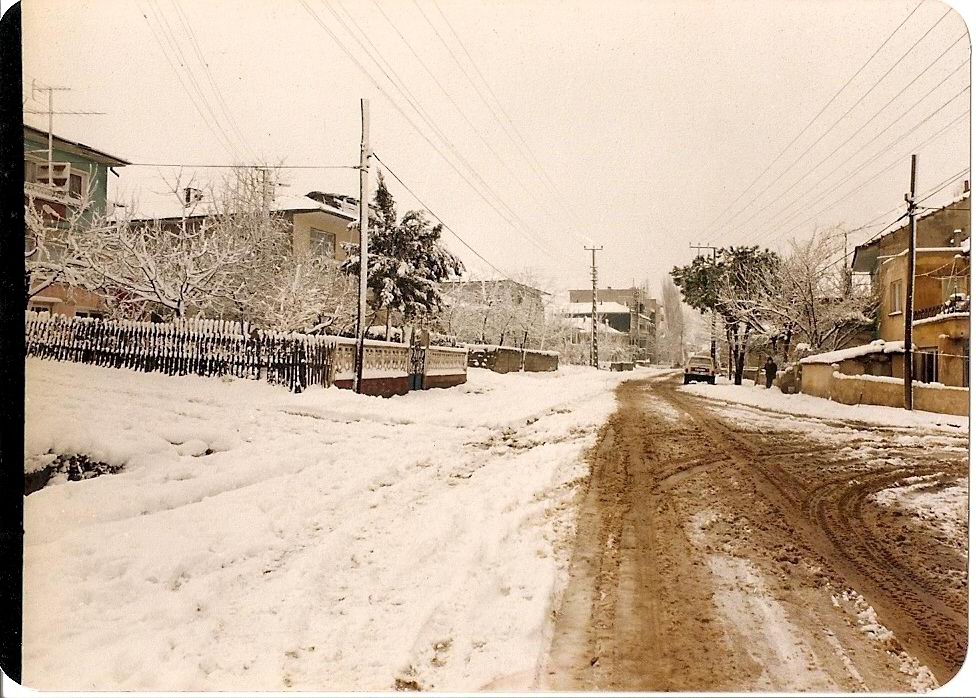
[(740, 362)]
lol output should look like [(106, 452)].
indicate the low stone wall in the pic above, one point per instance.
[(510, 359), (824, 380), (380, 387), (541, 361)]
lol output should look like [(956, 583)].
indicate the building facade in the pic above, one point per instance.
[(940, 321), (60, 181), (628, 310)]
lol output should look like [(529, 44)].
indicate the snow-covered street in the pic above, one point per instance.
[(260, 540), (734, 538)]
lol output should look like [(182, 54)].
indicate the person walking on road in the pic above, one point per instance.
[(770, 368)]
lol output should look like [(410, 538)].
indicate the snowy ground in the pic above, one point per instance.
[(259, 540), (934, 500), (810, 406)]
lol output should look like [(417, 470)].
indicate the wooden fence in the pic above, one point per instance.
[(213, 348)]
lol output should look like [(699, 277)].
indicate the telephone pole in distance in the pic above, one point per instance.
[(594, 348)]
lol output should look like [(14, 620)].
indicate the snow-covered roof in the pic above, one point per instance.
[(283, 203), (879, 346), (585, 324), (602, 308)]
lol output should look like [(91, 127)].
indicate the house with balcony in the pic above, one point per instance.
[(940, 321), (60, 177)]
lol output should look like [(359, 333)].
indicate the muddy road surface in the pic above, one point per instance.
[(725, 548)]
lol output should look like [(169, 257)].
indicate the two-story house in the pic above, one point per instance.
[(319, 222), (940, 322), (61, 175)]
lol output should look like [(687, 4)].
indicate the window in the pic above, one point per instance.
[(895, 296), (926, 368), (75, 184), (322, 243)]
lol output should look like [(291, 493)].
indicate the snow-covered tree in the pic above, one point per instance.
[(814, 299), (729, 285), (48, 236), (406, 263), (196, 263), (674, 334)]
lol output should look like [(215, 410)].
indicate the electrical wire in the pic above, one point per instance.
[(462, 112), (225, 144), (770, 227), (862, 127), (406, 117), (523, 228), (438, 218), (810, 123), (528, 153), (877, 82), (890, 166)]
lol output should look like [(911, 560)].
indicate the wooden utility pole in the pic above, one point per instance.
[(910, 290), (594, 347), (699, 248), (364, 156)]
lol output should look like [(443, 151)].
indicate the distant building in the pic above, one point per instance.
[(514, 313), (940, 320), (57, 183), (627, 310)]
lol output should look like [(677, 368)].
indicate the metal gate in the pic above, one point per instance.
[(418, 361)]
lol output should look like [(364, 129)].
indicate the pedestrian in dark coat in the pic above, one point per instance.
[(770, 368)]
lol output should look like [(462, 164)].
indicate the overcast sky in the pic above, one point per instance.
[(637, 125)]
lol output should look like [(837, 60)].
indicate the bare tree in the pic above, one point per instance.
[(810, 298), (48, 236)]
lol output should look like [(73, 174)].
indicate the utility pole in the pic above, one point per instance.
[(50, 125), (594, 348), (910, 289), (699, 248), (637, 318), (848, 272), (364, 156)]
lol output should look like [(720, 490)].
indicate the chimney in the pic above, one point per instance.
[(965, 186)]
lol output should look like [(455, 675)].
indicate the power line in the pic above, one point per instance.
[(222, 140), (401, 87), (841, 118), (170, 37), (891, 166), (410, 121), (816, 116), (456, 106), (244, 166), (528, 153), (861, 128), (438, 218), (221, 102), (163, 22), (932, 192), (771, 224)]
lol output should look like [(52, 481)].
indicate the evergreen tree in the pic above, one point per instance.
[(406, 260)]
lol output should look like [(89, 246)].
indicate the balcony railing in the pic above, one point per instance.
[(951, 306)]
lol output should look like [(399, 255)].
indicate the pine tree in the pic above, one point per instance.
[(406, 260)]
